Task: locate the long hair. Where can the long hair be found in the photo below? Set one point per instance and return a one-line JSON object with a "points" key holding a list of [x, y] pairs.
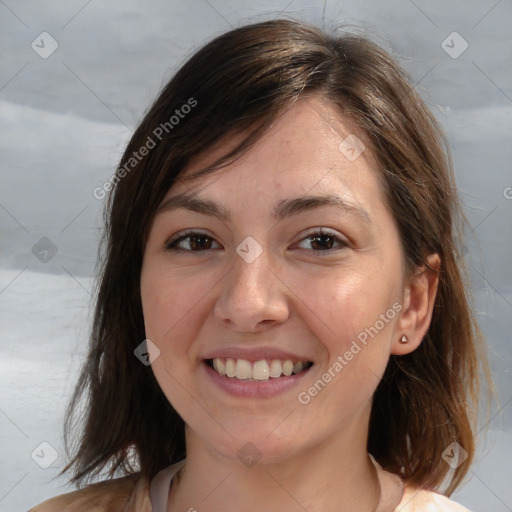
{"points": [[240, 83]]}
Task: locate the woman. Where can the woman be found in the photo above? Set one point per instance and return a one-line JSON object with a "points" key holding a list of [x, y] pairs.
{"points": [[282, 319]]}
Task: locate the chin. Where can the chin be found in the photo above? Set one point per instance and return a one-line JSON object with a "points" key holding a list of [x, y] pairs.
{"points": [[250, 445]]}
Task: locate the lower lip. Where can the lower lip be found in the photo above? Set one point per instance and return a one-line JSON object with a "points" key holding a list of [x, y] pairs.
{"points": [[254, 388]]}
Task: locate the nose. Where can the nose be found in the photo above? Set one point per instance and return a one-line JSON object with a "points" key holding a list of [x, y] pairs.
{"points": [[253, 296]]}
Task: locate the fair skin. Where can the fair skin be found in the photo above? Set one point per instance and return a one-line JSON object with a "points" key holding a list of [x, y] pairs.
{"points": [[297, 297]]}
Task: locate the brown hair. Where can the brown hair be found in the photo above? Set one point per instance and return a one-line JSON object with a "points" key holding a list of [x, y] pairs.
{"points": [[240, 83]]}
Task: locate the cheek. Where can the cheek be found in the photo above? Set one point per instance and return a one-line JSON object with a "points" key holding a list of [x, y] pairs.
{"points": [[168, 320], [348, 306], [166, 312]]}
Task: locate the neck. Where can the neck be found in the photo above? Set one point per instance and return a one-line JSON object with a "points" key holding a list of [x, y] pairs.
{"points": [[334, 475]]}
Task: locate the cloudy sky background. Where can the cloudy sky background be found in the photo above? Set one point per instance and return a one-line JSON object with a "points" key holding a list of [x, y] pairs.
{"points": [[64, 122]]}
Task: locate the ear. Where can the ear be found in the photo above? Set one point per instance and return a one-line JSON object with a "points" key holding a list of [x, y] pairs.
{"points": [[417, 306]]}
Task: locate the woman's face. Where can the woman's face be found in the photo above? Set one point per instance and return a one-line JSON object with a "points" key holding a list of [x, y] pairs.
{"points": [[287, 258]]}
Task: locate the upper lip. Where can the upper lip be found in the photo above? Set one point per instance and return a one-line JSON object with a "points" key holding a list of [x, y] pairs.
{"points": [[254, 354]]}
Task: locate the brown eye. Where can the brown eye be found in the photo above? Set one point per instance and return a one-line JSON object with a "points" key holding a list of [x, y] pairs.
{"points": [[322, 241], [191, 242]]}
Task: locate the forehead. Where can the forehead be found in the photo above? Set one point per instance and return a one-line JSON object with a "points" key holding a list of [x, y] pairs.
{"points": [[311, 148]]}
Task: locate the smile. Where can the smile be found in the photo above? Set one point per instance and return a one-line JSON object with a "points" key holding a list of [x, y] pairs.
{"points": [[261, 370]]}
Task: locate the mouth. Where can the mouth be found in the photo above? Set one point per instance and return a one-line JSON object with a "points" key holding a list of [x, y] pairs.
{"points": [[257, 371]]}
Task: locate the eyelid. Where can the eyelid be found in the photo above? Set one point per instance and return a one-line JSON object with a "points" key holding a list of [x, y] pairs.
{"points": [[321, 231]]}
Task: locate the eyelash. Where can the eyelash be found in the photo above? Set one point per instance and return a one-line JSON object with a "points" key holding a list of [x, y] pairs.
{"points": [[171, 244]]}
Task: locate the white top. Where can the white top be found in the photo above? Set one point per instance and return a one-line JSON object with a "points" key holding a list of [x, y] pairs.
{"points": [[395, 497], [134, 493]]}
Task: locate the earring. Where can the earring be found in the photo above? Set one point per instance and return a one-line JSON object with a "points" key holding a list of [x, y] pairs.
{"points": [[404, 339]]}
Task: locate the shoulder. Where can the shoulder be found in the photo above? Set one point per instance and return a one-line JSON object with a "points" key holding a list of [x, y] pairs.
{"points": [[127, 494], [421, 500]]}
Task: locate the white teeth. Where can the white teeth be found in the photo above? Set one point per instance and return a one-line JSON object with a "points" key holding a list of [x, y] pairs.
{"points": [[259, 370], [276, 369], [230, 367], [243, 369], [287, 368], [221, 369]]}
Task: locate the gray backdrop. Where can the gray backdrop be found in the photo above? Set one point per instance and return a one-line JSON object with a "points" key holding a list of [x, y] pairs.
{"points": [[76, 77]]}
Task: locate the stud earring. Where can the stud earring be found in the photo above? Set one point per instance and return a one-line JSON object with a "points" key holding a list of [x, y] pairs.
{"points": [[404, 339]]}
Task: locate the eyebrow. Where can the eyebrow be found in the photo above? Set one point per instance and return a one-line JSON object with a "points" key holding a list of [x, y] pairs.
{"points": [[284, 208]]}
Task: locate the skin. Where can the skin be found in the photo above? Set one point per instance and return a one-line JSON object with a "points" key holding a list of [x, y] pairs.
{"points": [[295, 296]]}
